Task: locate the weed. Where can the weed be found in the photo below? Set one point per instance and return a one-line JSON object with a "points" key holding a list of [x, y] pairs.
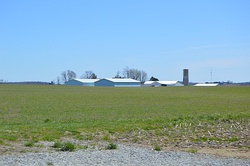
{"points": [[192, 150], [233, 139], [157, 147], [88, 137], [29, 144], [111, 146], [68, 146], [23, 151], [111, 132], [57, 144], [106, 137], [50, 163], [47, 120], [85, 147], [10, 137], [1, 142], [65, 146]]}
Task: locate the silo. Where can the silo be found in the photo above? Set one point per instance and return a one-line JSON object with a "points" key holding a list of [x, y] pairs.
{"points": [[185, 77]]}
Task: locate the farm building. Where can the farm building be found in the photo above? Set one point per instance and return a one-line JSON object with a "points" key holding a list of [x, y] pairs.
{"points": [[163, 83], [206, 84], [152, 83], [170, 83], [81, 82], [118, 82]]}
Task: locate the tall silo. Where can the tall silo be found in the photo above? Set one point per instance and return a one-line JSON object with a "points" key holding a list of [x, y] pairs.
{"points": [[185, 77]]}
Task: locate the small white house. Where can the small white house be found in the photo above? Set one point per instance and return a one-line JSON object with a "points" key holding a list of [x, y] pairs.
{"points": [[81, 82]]}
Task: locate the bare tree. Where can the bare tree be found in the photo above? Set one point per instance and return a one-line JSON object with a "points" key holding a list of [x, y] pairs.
{"points": [[126, 72], [58, 80], [136, 74], [64, 76], [89, 75], [68, 75], [118, 75], [71, 75], [144, 76]]}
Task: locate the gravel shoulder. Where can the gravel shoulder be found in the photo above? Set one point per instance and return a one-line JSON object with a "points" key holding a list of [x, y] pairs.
{"points": [[124, 155]]}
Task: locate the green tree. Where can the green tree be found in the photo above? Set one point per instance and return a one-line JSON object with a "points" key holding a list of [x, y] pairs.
{"points": [[153, 79]]}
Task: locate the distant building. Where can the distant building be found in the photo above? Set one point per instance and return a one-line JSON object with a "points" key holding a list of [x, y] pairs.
{"points": [[118, 82], [162, 83], [81, 82], [170, 83], [152, 84], [206, 84]]}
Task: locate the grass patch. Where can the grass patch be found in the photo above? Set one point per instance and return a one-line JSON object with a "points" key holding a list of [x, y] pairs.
{"points": [[157, 147], [112, 146], [140, 115], [29, 144], [50, 163], [65, 146], [47, 120], [192, 150], [1, 142]]}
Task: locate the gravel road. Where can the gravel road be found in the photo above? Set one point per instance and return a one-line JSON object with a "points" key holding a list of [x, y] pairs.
{"points": [[124, 155]]}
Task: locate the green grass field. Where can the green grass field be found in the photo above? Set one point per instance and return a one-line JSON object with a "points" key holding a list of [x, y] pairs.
{"points": [[162, 116]]}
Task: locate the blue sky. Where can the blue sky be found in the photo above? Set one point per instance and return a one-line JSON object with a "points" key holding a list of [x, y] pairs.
{"points": [[40, 39]]}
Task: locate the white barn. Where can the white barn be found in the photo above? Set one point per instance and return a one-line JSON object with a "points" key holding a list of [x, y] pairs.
{"points": [[151, 84], [170, 83], [206, 84], [162, 83]]}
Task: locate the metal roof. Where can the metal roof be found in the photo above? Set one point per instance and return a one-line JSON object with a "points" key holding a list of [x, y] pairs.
{"points": [[121, 80], [206, 85], [162, 83], [87, 80], [168, 82], [149, 82]]}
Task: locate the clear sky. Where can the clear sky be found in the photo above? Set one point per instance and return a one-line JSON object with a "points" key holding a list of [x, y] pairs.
{"points": [[41, 38]]}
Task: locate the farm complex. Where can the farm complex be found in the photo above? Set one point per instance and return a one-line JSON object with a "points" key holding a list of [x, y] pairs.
{"points": [[115, 82]]}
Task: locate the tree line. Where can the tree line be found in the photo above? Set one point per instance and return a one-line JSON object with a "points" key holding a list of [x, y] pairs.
{"points": [[133, 73], [69, 75]]}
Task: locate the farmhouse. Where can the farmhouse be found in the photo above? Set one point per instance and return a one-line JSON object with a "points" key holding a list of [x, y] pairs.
{"points": [[81, 82], [163, 83], [118, 82]]}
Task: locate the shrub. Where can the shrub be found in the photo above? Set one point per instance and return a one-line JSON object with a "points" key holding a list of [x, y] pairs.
{"points": [[50, 163], [47, 120], [192, 150], [29, 144], [157, 148], [57, 145], [1, 142], [112, 146], [68, 146], [65, 146]]}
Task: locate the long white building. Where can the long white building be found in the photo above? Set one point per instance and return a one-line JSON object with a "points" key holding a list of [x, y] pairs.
{"points": [[162, 83]]}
